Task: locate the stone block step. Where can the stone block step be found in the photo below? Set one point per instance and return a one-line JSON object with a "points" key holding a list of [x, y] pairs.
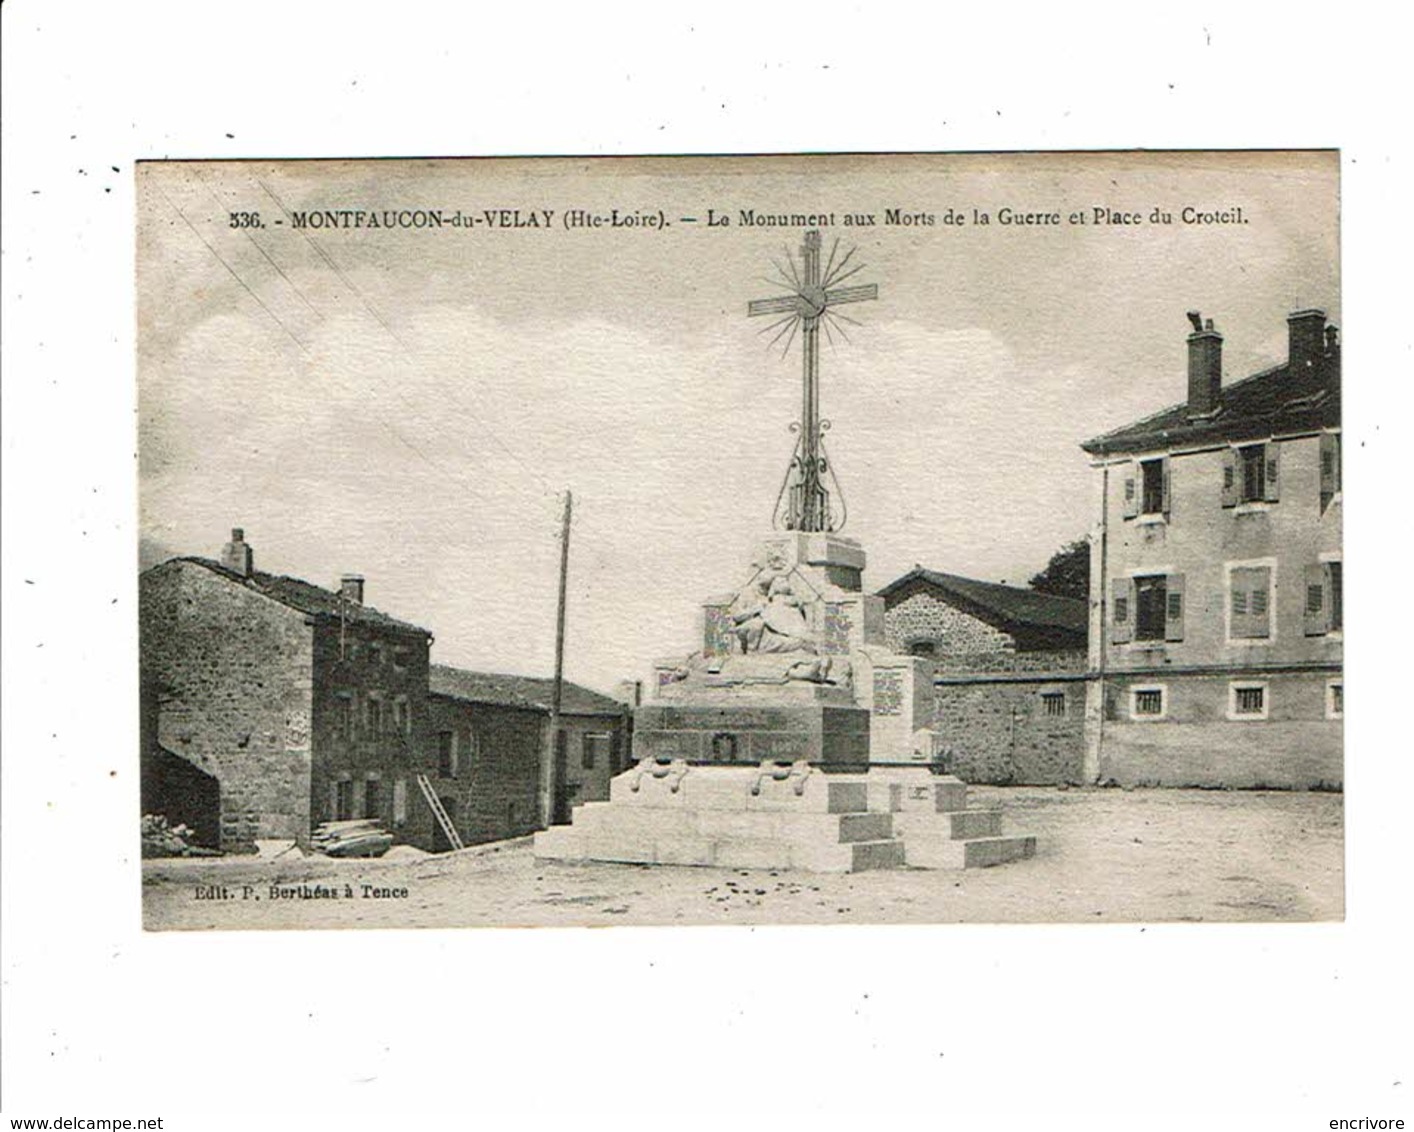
{"points": [[983, 852], [974, 853], [877, 855], [952, 825], [973, 823], [866, 827]]}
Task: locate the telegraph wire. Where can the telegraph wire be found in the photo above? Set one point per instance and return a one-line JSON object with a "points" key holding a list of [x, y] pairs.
{"points": [[387, 425], [234, 274], [544, 483], [268, 258]]}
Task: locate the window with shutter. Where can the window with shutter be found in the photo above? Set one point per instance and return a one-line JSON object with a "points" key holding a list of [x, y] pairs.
{"points": [[1272, 484], [1121, 627], [1253, 486], [1316, 614], [1334, 571], [1230, 492], [1330, 467], [1152, 472], [1173, 619], [1131, 492], [1249, 590], [1151, 607]]}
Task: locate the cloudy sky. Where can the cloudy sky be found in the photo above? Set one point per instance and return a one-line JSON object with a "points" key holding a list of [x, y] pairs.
{"points": [[410, 404]]}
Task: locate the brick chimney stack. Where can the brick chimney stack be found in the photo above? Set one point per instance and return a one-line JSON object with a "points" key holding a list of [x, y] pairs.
{"points": [[1306, 333], [1205, 366], [237, 555], [351, 587]]}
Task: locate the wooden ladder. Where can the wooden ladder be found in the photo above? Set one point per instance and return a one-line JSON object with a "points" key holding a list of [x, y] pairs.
{"points": [[439, 811]]}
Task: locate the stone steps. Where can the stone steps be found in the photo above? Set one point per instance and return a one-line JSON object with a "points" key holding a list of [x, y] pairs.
{"points": [[729, 839], [742, 818], [969, 853]]}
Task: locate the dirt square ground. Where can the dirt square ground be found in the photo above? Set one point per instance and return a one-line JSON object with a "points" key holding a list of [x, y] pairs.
{"points": [[1102, 855]]}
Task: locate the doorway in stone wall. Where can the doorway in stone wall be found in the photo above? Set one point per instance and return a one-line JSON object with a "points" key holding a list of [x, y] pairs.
{"points": [[184, 794]]}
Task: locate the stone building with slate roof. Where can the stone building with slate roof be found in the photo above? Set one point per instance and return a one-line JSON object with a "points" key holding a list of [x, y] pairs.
{"points": [[1009, 672], [271, 705], [498, 770], [1217, 610]]}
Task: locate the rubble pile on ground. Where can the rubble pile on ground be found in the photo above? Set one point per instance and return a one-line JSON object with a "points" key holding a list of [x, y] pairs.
{"points": [[162, 840], [362, 837]]}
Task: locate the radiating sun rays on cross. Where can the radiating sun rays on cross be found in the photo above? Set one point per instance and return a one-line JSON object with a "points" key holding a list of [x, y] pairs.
{"points": [[814, 291], [816, 300]]}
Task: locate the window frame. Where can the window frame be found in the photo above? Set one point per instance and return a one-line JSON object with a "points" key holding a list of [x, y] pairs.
{"points": [[343, 787], [1236, 687], [1151, 492], [447, 753], [588, 760], [1244, 456], [1136, 716], [1268, 564], [1332, 711], [1050, 699], [345, 717], [1156, 581]]}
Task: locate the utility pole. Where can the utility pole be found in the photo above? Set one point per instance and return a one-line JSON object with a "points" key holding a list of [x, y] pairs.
{"points": [[555, 760]]}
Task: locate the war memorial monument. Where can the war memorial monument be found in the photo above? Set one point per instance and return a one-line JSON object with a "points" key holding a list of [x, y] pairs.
{"points": [[793, 738]]}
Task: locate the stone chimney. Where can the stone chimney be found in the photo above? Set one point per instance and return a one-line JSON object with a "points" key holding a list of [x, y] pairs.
{"points": [[237, 555], [1306, 333], [351, 588], [1205, 366]]}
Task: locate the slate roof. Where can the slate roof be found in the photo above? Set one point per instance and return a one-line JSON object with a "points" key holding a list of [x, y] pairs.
{"points": [[304, 597], [504, 690], [1273, 402], [1007, 607]]}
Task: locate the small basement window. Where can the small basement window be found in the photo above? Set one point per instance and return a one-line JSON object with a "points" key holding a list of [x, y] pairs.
{"points": [[1148, 702], [1053, 703], [1335, 700], [1248, 701]]}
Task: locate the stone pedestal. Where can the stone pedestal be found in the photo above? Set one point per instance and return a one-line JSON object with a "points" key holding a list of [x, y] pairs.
{"points": [[783, 817], [786, 741], [832, 736]]}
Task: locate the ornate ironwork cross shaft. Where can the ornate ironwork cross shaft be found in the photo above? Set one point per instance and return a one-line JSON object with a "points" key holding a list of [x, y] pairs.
{"points": [[814, 292]]}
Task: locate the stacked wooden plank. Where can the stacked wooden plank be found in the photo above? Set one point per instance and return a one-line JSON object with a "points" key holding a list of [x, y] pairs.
{"points": [[361, 837]]}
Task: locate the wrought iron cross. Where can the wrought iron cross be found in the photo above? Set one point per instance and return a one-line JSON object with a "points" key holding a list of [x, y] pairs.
{"points": [[809, 306]]}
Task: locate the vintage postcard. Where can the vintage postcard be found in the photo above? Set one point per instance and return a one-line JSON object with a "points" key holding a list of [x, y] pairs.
{"points": [[758, 540]]}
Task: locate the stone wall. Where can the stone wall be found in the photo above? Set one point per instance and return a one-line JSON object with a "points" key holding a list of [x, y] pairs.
{"points": [[590, 783], [494, 780], [358, 667], [963, 643], [1003, 732], [959, 639], [231, 673]]}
